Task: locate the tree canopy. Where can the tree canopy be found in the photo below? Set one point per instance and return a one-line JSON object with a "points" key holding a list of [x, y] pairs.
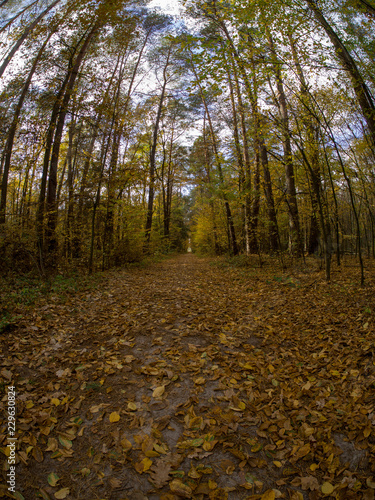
{"points": [[248, 127]]}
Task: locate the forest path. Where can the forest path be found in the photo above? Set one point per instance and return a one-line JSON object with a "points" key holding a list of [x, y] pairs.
{"points": [[189, 380]]}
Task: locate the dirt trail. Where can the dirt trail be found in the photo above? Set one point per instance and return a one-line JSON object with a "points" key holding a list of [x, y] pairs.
{"points": [[183, 380]]}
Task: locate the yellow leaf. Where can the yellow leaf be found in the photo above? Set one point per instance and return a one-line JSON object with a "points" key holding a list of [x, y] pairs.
{"points": [[367, 432], [302, 452], [66, 443], [160, 449], [327, 488], [212, 484], [114, 417], [195, 423], [218, 494], [209, 445], [158, 392], [314, 467], [51, 445], [146, 464], [132, 406], [53, 479], [199, 381], [268, 495], [126, 444], [307, 386], [181, 489], [29, 404], [55, 401], [278, 464], [62, 493]]}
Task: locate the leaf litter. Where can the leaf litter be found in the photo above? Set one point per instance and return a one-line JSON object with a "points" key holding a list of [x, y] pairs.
{"points": [[187, 380]]}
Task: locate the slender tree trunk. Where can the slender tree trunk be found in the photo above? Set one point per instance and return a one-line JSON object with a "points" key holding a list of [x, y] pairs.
{"points": [[167, 189], [336, 212], [40, 215], [151, 191], [273, 230], [291, 196], [237, 143], [51, 239], [78, 226], [111, 200], [11, 21], [102, 162], [23, 37], [312, 147], [349, 65], [364, 6], [228, 212], [74, 139], [13, 128], [211, 200], [251, 217]]}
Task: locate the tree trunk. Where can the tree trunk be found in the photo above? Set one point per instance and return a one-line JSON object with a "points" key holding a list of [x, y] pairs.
{"points": [[78, 226], [273, 230], [151, 190], [12, 131], [23, 37], [9, 23], [211, 200], [228, 212], [291, 196], [360, 88], [237, 143], [51, 240], [364, 6], [312, 150]]}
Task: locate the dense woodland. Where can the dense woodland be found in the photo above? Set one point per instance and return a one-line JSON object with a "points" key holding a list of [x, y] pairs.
{"points": [[248, 127], [245, 132]]}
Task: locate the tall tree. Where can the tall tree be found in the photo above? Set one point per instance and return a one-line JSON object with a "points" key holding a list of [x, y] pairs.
{"points": [[364, 97], [13, 128], [24, 35]]}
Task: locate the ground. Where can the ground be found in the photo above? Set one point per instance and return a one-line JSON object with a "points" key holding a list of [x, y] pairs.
{"points": [[192, 378]]}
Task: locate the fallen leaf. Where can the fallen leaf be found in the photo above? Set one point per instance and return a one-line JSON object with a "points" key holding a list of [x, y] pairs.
{"points": [[63, 493], [114, 417], [181, 489], [327, 488], [158, 392], [53, 479]]}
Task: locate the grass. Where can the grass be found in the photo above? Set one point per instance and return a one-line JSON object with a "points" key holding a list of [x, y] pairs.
{"points": [[20, 293]]}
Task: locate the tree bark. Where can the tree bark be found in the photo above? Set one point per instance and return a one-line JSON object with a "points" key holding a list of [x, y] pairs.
{"points": [[291, 196], [51, 239], [360, 88], [151, 191], [12, 131], [273, 230], [228, 212], [6, 26], [23, 37]]}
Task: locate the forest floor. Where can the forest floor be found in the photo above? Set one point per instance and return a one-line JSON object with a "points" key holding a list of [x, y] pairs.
{"points": [[192, 378]]}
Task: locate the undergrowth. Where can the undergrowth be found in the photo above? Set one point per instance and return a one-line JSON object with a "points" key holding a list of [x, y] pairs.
{"points": [[21, 292], [18, 292]]}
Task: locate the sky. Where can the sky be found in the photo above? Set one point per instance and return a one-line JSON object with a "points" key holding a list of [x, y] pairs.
{"points": [[171, 7]]}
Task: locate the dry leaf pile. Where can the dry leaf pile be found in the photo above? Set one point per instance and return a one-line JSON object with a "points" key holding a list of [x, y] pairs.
{"points": [[185, 380]]}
